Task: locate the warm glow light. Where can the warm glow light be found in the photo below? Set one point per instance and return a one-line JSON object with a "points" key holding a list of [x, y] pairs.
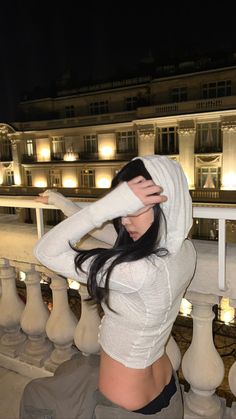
{"points": [[106, 152], [40, 184], [70, 156], [229, 180], [227, 313], [17, 179], [45, 153], [185, 307], [22, 276], [73, 284], [104, 183], [69, 183]]}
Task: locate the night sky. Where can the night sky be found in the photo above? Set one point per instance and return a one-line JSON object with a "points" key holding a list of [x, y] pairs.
{"points": [[43, 42]]}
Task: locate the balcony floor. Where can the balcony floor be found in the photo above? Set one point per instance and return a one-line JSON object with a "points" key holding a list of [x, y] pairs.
{"points": [[12, 385]]}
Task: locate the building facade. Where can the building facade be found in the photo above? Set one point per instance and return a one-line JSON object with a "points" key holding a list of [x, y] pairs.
{"points": [[76, 141]]}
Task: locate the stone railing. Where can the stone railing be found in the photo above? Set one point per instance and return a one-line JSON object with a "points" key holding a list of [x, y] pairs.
{"points": [[34, 341]]}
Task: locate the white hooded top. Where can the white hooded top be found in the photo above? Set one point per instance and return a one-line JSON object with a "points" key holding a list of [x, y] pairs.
{"points": [[178, 208], [145, 294]]}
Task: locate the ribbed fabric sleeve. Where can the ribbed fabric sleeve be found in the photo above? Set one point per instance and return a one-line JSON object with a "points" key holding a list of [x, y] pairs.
{"points": [[105, 234], [67, 206], [53, 249]]}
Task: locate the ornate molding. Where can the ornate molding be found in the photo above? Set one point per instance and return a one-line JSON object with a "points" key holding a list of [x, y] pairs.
{"points": [[7, 165], [186, 131], [208, 160], [6, 130], [14, 142], [146, 135], [228, 126]]}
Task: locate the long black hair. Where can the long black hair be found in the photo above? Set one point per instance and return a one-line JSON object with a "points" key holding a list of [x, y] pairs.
{"points": [[124, 249]]}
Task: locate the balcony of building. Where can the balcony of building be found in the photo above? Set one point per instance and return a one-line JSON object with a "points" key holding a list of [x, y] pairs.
{"points": [[34, 341], [149, 111]]}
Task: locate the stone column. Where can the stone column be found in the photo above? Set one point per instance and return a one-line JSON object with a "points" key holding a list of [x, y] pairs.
{"points": [[186, 153], [11, 308], [202, 365], [61, 325], [228, 177], [2, 171], [146, 141], [86, 332], [33, 321], [16, 161], [232, 377]]}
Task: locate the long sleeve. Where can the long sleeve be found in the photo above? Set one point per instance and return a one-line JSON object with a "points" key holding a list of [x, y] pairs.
{"points": [[67, 206], [53, 249], [106, 233]]}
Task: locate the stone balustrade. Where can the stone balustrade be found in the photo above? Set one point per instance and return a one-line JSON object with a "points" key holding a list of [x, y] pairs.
{"points": [[39, 340]]}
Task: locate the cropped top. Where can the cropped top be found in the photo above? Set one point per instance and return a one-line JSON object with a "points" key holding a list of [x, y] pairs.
{"points": [[145, 294]]}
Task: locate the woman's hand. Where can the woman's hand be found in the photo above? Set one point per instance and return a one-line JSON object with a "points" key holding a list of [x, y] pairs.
{"points": [[147, 191], [41, 198]]}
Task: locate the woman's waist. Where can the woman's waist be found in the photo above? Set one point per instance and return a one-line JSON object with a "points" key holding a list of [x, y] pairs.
{"points": [[132, 388]]}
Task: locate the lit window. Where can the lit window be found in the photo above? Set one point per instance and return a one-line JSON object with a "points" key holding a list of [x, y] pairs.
{"points": [[90, 144], [167, 141], [208, 138], [126, 142], [55, 178], [87, 178]]}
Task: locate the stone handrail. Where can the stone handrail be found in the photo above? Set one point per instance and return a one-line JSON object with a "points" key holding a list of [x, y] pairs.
{"points": [[36, 337]]}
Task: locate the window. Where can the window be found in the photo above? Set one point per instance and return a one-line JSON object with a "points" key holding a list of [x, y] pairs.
{"points": [[58, 148], [69, 111], [90, 144], [208, 177], [58, 145], [10, 177], [131, 103], [216, 89], [29, 147], [208, 138], [167, 141], [97, 108], [87, 178], [126, 142], [28, 174], [54, 178], [5, 150], [179, 94]]}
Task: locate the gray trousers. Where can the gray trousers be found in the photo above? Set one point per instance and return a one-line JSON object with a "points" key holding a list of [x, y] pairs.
{"points": [[69, 394], [72, 394]]}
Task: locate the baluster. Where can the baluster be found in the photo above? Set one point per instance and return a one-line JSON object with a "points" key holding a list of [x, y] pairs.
{"points": [[1, 328], [173, 352], [61, 325], [232, 377], [11, 308], [33, 321], [202, 366], [86, 332]]}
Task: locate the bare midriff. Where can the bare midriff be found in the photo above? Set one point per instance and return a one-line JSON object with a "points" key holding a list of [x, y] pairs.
{"points": [[133, 388]]}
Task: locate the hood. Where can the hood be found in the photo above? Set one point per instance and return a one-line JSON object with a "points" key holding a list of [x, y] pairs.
{"points": [[178, 208]]}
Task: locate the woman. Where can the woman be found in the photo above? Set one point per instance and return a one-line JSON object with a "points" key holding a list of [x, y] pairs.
{"points": [[140, 282]]}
